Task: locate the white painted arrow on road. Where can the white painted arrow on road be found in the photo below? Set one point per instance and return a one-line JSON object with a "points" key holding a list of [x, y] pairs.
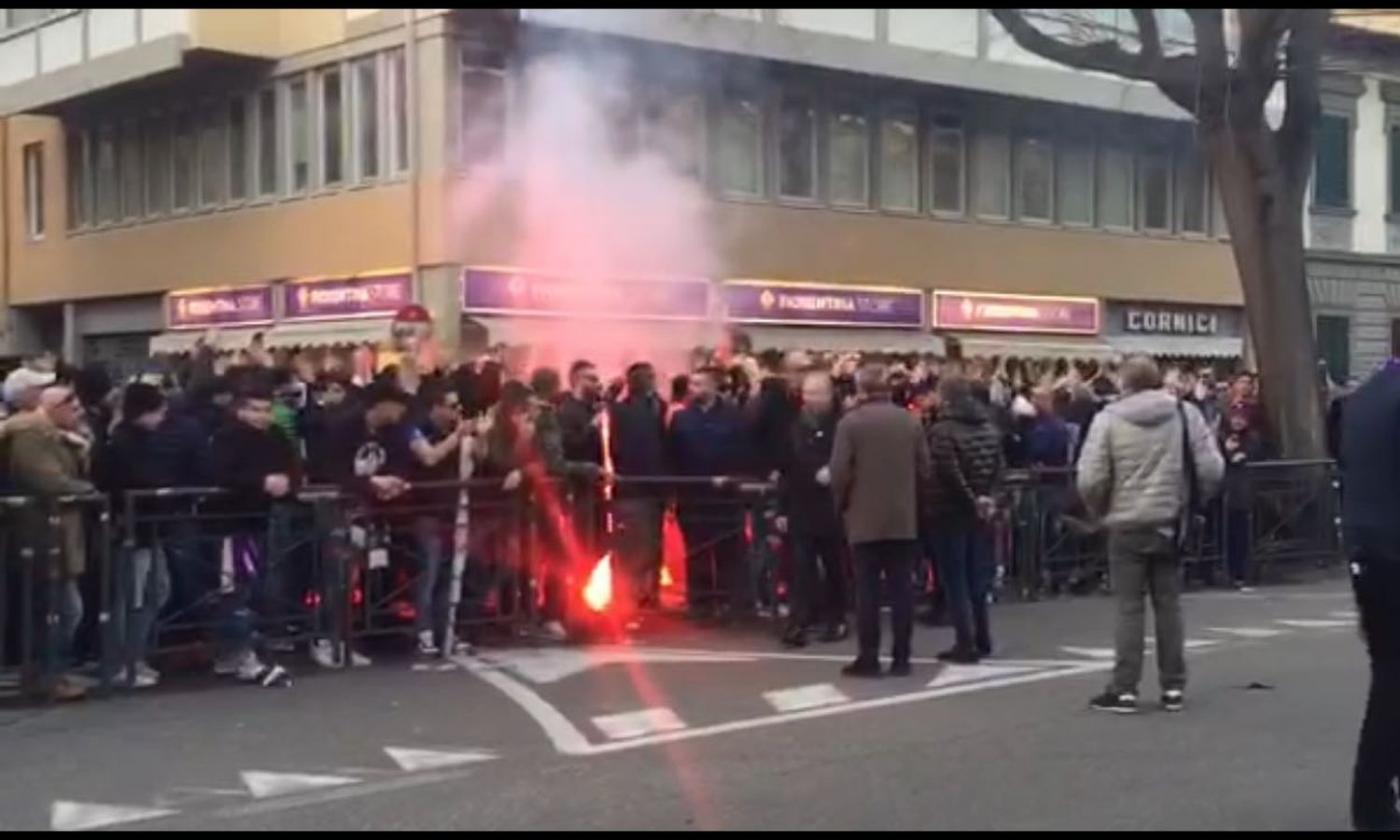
{"points": [[413, 760], [1091, 653], [1249, 632], [263, 784], [83, 816], [1313, 623], [953, 674]]}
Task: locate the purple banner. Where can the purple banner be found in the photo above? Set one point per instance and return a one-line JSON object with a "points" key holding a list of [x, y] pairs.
{"points": [[519, 293], [757, 302], [219, 308], [346, 297]]}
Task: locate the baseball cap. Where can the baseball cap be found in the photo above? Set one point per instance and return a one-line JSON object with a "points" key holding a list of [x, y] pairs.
{"points": [[25, 379]]}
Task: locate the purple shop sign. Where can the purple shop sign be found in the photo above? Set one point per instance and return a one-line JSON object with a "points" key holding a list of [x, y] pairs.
{"points": [[757, 302], [489, 290], [346, 297], [248, 306]]}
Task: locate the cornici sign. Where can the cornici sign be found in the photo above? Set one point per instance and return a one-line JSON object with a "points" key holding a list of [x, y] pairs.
{"points": [[1170, 321]]}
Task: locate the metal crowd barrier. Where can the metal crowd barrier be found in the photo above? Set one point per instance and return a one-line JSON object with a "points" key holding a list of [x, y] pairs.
{"points": [[163, 578]]}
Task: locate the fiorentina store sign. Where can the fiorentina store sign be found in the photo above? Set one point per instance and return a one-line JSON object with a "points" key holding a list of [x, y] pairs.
{"points": [[761, 302], [1015, 313], [364, 295], [511, 292], [203, 308]]}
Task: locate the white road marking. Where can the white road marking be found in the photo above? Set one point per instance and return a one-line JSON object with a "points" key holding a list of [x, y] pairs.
{"points": [[639, 723], [82, 816], [1313, 623], [954, 674], [1347, 614], [1091, 653], [551, 665], [1249, 632], [1197, 644], [263, 784], [413, 760], [805, 697]]}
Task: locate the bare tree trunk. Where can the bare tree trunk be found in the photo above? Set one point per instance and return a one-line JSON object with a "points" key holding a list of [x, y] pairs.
{"points": [[1264, 208]]}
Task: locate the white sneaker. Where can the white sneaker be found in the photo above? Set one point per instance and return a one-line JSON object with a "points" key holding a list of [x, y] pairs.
{"points": [[555, 630], [426, 645], [323, 654], [146, 676], [359, 660], [254, 670]]}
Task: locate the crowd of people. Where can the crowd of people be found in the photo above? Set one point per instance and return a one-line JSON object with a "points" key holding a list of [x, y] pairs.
{"points": [[264, 425]]}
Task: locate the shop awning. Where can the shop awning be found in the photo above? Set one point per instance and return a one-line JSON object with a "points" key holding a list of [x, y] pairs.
{"points": [[1185, 346], [522, 330], [842, 339], [183, 341], [329, 333], [1035, 346]]}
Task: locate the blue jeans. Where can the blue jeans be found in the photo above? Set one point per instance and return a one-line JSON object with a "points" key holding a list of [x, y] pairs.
{"points": [[434, 539], [964, 556], [142, 591]]}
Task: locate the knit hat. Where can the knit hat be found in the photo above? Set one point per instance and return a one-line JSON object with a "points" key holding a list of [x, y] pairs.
{"points": [[141, 399]]}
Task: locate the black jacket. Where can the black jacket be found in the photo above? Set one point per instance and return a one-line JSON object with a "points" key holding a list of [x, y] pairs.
{"points": [[772, 413], [1370, 462], [967, 463], [583, 442], [809, 505], [242, 457], [638, 438]]}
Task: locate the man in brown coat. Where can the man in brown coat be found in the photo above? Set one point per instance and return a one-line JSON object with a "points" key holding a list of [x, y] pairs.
{"points": [[878, 462], [49, 459]]}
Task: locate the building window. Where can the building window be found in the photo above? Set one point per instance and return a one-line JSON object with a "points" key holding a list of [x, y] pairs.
{"points": [[398, 109], [184, 159], [1035, 167], [1154, 191], [1115, 188], [991, 172], [15, 18], [1332, 166], [1074, 184], [74, 163], [212, 137], [797, 147], [237, 149], [267, 141], [848, 141], [739, 145], [132, 166], [947, 162], [34, 190], [367, 117], [1191, 188], [299, 120], [1334, 346], [899, 162], [673, 129], [332, 127], [1395, 169], [483, 113], [108, 187], [158, 165]]}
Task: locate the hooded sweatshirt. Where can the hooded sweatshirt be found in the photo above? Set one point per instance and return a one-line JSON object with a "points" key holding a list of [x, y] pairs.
{"points": [[1131, 471]]}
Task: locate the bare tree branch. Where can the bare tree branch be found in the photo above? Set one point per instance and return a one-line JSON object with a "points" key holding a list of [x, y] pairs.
{"points": [[1148, 36]]}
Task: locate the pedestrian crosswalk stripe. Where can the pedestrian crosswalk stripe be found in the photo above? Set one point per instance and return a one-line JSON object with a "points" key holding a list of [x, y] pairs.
{"points": [[412, 760], [805, 697], [1313, 623], [953, 674], [83, 816], [637, 724], [262, 784], [1091, 653], [1249, 632]]}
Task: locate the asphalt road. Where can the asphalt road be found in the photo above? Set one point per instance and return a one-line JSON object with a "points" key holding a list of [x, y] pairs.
{"points": [[723, 730]]}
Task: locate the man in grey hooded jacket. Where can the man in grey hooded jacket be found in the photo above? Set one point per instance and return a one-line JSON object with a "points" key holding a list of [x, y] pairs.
{"points": [[1133, 477]]}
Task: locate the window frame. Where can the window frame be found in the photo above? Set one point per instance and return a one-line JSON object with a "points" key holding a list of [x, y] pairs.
{"points": [[931, 133], [1066, 144], [35, 221], [780, 96], [158, 126], [1019, 140], [1180, 161], [1349, 205], [131, 130], [719, 101], [192, 200], [905, 111], [1140, 172], [288, 85], [113, 193], [357, 110], [1345, 319], [205, 110], [1100, 160], [321, 133], [972, 177], [839, 107], [242, 101], [397, 136], [259, 152]]}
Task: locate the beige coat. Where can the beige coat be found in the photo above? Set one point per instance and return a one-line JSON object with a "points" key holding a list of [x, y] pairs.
{"points": [[44, 462]]}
